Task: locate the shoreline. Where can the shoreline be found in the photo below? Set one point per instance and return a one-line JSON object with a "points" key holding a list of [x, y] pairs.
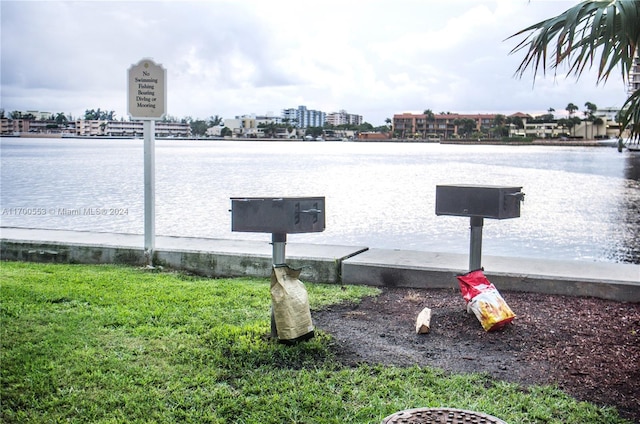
{"points": [[536, 142]]}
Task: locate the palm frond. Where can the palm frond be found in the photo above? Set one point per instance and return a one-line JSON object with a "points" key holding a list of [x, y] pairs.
{"points": [[601, 32], [610, 28], [630, 115]]}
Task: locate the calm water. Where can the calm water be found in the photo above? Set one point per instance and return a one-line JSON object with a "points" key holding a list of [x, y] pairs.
{"points": [[581, 203]]}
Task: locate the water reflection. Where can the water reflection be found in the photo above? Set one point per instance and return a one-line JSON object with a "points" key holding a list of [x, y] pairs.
{"points": [[632, 166], [629, 249], [581, 203]]}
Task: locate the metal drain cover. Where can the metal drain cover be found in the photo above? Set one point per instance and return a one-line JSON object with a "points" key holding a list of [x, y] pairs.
{"points": [[441, 415]]}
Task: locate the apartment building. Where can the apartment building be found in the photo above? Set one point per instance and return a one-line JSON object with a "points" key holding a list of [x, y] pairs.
{"points": [[93, 128], [604, 127], [30, 126], [250, 126], [634, 76], [6, 126], [540, 130], [240, 126], [136, 128], [410, 125], [343, 118], [445, 126], [15, 126], [133, 128], [104, 128], [303, 117]]}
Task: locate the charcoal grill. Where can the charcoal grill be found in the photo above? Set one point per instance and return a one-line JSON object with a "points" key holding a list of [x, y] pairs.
{"points": [[279, 216], [478, 202]]}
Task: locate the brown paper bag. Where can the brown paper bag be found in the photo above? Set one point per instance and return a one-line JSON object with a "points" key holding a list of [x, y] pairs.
{"points": [[290, 305]]}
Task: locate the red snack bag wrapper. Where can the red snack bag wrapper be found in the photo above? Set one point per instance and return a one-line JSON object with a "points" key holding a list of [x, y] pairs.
{"points": [[484, 300]]}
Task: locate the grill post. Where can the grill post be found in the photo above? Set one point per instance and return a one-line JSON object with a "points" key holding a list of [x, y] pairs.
{"points": [[475, 246], [278, 242], [478, 202]]}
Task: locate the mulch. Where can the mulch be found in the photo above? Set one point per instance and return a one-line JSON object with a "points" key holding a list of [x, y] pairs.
{"points": [[588, 347]]}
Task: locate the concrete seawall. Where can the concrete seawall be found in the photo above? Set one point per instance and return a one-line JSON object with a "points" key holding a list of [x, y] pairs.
{"points": [[323, 263]]}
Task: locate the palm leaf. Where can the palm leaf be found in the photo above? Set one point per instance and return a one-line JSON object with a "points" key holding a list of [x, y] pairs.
{"points": [[608, 28], [630, 114]]}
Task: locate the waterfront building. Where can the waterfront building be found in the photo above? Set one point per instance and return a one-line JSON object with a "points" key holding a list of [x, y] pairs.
{"points": [[14, 126], [634, 76], [343, 118], [542, 130], [5, 128], [31, 126], [438, 126], [586, 129], [445, 126], [610, 113], [91, 128], [252, 126], [303, 117], [610, 117], [246, 126]]}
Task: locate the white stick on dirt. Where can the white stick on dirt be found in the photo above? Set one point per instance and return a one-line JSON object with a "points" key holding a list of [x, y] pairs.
{"points": [[423, 323]]}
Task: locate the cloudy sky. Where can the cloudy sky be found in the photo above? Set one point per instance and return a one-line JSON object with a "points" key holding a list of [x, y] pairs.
{"points": [[373, 58]]}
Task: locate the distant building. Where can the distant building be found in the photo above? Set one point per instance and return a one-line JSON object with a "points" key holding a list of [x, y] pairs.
{"points": [[86, 127], [373, 136], [410, 125], [541, 130], [303, 117], [38, 115], [6, 126], [445, 126], [343, 118], [92, 128], [30, 114], [611, 113], [634, 76], [610, 117], [252, 126]]}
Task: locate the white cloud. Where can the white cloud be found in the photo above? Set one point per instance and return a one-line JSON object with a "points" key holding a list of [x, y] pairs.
{"points": [[229, 58]]}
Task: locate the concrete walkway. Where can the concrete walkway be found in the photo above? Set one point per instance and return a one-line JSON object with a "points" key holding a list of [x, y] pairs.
{"points": [[324, 263]]}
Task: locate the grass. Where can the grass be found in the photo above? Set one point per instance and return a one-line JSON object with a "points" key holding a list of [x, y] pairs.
{"points": [[112, 344]]}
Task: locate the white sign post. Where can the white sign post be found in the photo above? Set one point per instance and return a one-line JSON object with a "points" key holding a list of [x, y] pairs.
{"points": [[147, 101]]}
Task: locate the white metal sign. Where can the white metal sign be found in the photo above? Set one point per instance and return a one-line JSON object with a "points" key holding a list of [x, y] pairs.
{"points": [[147, 88], [147, 101]]}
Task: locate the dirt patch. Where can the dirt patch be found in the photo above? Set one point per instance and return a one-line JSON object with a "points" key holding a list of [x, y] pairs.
{"points": [[590, 348]]}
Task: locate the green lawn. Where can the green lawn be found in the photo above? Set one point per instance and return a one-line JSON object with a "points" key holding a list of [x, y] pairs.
{"points": [[113, 344]]}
